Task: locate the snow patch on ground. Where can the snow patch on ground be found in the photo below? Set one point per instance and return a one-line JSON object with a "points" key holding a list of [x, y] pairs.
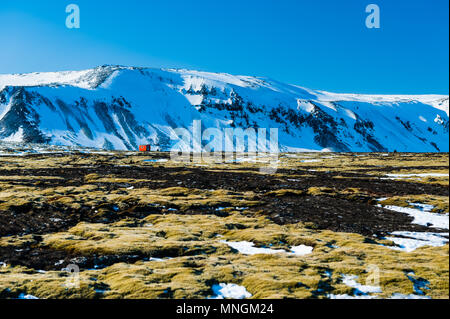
{"points": [[301, 250], [161, 160], [423, 216], [410, 241], [350, 280], [30, 297], [159, 259], [345, 296], [410, 296], [360, 291], [230, 291], [248, 248], [400, 176], [365, 291]]}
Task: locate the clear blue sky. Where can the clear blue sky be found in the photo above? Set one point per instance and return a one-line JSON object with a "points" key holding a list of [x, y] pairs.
{"points": [[321, 44]]}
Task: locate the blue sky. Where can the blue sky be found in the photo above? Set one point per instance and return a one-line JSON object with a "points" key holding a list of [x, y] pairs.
{"points": [[321, 44]]}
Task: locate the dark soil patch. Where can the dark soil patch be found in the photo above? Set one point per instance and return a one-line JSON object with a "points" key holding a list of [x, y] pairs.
{"points": [[336, 214], [357, 214], [229, 180], [44, 218], [43, 258]]}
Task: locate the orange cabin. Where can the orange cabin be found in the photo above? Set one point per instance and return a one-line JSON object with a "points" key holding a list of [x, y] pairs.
{"points": [[145, 148]]}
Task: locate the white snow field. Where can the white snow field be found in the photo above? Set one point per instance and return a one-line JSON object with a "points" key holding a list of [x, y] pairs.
{"points": [[117, 107]]}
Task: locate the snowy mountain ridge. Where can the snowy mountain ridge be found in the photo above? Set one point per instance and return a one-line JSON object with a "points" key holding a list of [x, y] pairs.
{"points": [[116, 107]]}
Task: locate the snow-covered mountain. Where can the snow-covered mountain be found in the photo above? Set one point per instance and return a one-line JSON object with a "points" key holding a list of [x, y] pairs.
{"points": [[115, 107]]}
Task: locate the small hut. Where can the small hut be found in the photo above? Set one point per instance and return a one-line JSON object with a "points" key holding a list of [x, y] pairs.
{"points": [[145, 148]]}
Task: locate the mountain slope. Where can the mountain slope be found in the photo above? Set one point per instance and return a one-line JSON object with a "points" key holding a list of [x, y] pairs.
{"points": [[115, 107]]}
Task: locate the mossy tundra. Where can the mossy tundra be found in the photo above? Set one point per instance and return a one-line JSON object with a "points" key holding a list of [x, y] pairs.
{"points": [[143, 229]]}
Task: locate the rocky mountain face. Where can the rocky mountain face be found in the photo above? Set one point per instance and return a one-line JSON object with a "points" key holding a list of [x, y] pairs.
{"points": [[115, 107]]}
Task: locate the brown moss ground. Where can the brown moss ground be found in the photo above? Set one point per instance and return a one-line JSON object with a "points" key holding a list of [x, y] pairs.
{"points": [[203, 259], [101, 210]]}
